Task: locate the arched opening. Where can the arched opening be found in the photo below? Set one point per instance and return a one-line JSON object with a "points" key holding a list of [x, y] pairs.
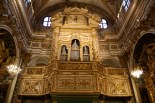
{"points": [[86, 56], [110, 63], [144, 57], [64, 53], [7, 48], [38, 61], [143, 50], [75, 49], [7, 57]]}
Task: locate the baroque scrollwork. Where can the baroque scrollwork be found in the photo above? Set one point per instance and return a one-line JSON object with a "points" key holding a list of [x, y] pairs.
{"points": [[31, 87], [118, 88], [116, 71], [35, 71], [75, 66]]}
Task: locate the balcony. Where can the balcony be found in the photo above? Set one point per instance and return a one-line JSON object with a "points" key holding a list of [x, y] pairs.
{"points": [[75, 78]]}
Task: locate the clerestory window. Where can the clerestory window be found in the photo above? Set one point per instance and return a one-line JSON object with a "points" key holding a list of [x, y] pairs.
{"points": [[126, 4], [47, 21], [103, 24], [27, 2]]}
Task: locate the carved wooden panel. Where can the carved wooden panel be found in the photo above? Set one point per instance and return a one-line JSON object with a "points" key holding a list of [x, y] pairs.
{"points": [[118, 87], [32, 87], [65, 83], [84, 83], [75, 83]]}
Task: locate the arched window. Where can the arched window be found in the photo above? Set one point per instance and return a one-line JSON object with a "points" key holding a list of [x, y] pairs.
{"points": [[103, 24], [86, 53], [75, 49], [27, 2], [126, 4], [47, 21], [64, 53]]}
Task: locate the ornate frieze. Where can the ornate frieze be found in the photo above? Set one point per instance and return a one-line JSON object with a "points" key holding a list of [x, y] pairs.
{"points": [[116, 71], [75, 66], [76, 30], [35, 70]]}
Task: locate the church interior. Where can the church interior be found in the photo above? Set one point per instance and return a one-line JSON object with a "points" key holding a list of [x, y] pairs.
{"points": [[77, 51]]}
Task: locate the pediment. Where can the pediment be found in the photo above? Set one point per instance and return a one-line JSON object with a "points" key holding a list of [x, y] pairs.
{"points": [[75, 17]]}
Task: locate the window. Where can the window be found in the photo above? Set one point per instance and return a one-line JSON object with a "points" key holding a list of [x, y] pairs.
{"points": [[126, 4], [103, 24], [47, 21], [27, 2]]}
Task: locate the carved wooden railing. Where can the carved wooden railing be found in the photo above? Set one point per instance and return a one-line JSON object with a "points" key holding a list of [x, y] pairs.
{"points": [[75, 77]]}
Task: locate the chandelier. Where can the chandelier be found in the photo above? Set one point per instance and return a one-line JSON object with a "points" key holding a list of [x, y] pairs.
{"points": [[137, 72], [13, 69]]}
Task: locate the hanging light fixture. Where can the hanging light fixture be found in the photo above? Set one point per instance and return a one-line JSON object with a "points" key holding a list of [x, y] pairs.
{"points": [[13, 69], [137, 72]]}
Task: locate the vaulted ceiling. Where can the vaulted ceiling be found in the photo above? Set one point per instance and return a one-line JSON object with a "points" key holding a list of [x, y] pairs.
{"points": [[107, 9]]}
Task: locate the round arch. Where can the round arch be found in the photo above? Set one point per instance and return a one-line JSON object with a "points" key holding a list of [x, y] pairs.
{"points": [[110, 62], [37, 60], [4, 29]]}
